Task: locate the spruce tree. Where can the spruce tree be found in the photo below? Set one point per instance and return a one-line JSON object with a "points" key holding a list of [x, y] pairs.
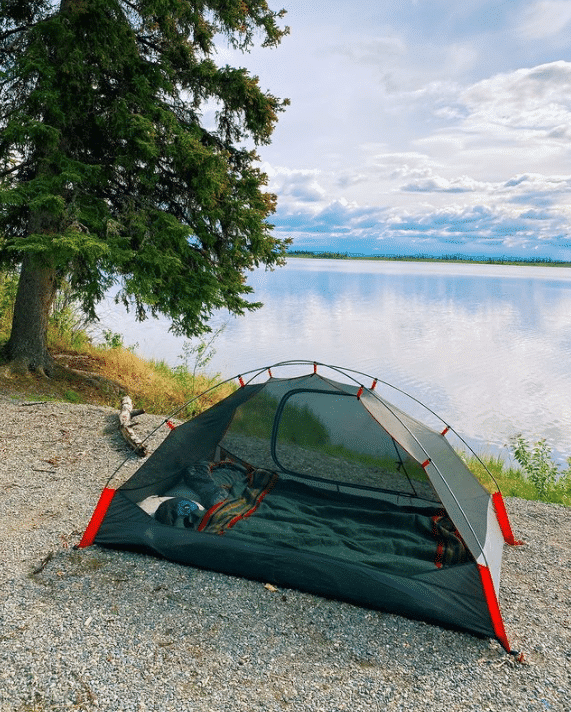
{"points": [[111, 173]]}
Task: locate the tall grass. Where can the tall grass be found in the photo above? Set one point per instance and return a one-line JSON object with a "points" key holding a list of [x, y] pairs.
{"points": [[510, 479], [103, 372], [534, 477], [8, 286], [153, 385]]}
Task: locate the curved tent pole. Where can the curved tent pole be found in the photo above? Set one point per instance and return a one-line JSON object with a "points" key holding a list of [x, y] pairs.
{"points": [[173, 414], [347, 372], [375, 381], [448, 428], [253, 373], [428, 460], [491, 597]]}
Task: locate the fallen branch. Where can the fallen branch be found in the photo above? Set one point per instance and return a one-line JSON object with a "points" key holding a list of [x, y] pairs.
{"points": [[126, 425], [44, 562]]}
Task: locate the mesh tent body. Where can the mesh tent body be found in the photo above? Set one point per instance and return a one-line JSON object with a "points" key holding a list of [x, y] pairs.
{"points": [[327, 487]]}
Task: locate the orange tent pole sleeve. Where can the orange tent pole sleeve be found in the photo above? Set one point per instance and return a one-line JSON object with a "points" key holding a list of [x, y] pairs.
{"points": [[503, 520], [493, 606], [97, 517]]}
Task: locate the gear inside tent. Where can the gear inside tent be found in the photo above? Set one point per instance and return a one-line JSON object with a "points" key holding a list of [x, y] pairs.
{"points": [[307, 477]]}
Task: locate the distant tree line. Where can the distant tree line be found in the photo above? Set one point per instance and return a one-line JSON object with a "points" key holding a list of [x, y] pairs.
{"points": [[427, 258]]}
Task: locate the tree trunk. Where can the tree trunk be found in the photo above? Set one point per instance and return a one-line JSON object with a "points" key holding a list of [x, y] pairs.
{"points": [[27, 347]]}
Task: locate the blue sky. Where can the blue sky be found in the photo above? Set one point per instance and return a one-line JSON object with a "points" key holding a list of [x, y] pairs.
{"points": [[422, 126]]}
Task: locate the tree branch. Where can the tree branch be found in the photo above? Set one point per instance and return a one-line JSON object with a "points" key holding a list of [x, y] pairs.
{"points": [[7, 33], [14, 169], [126, 426]]}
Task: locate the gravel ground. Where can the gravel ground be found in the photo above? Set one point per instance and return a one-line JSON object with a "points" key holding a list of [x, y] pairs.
{"points": [[95, 629]]}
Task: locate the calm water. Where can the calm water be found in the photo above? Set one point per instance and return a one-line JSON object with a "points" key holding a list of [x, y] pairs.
{"points": [[486, 346]]}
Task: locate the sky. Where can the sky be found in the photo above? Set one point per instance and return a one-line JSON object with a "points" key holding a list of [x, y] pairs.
{"points": [[431, 127]]}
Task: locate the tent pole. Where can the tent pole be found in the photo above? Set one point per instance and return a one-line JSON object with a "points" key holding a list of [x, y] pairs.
{"points": [[493, 606], [503, 520], [97, 517]]}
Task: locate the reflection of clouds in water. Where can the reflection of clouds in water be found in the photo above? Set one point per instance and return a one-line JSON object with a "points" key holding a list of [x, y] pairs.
{"points": [[497, 375], [493, 367], [487, 349]]}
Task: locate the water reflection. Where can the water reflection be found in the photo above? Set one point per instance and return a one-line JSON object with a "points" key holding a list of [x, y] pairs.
{"points": [[487, 347]]}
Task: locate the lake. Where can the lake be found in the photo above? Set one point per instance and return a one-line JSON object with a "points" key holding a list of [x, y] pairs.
{"points": [[485, 346]]}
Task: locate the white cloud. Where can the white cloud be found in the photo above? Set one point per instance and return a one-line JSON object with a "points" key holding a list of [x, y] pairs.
{"points": [[506, 124], [538, 98], [459, 227], [435, 123], [544, 19], [438, 184]]}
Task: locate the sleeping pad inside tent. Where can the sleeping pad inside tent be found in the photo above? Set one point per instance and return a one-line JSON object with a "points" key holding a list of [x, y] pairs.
{"points": [[323, 486]]}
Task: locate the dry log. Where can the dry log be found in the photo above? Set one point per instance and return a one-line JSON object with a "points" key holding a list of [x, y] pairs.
{"points": [[126, 425]]}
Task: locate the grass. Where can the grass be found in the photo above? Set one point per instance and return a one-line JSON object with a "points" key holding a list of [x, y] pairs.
{"points": [[510, 479], [103, 373], [524, 481], [153, 385]]}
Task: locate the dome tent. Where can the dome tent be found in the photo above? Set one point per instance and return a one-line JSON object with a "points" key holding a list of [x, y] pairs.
{"points": [[320, 483]]}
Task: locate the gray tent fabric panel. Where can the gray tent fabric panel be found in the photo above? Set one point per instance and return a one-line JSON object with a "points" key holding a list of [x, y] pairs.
{"points": [[464, 498], [452, 597], [407, 431], [493, 550]]}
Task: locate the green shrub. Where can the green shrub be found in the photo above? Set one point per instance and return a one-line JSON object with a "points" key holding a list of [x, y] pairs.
{"points": [[112, 340], [73, 397], [538, 479], [551, 483]]}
